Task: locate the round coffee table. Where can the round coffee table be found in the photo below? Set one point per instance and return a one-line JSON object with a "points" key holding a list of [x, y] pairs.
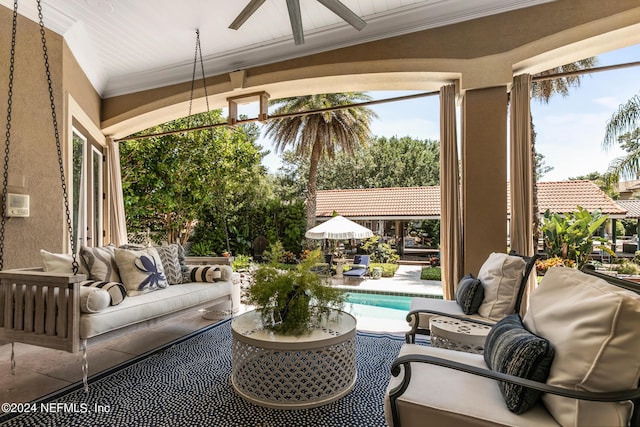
{"points": [[460, 335], [289, 372]]}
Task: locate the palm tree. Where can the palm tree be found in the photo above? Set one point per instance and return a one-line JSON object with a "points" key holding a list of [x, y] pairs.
{"points": [[543, 90], [320, 135], [624, 127]]}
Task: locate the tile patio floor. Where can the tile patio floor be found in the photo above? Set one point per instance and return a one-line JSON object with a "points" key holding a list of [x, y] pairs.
{"points": [[40, 371]]}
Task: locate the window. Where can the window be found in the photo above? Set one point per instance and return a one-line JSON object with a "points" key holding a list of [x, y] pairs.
{"points": [[88, 178]]}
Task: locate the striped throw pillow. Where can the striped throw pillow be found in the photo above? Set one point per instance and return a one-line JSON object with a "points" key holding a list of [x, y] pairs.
{"points": [[204, 273], [116, 290]]}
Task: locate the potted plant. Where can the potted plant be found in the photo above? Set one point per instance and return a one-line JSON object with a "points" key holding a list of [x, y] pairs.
{"points": [[293, 301]]}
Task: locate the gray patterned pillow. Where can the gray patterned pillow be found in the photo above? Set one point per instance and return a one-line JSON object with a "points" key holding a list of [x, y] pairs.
{"points": [[170, 257], [513, 350], [469, 294], [141, 270], [100, 263]]}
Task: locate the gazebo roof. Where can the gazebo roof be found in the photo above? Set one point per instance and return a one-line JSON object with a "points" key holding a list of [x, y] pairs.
{"points": [[424, 202], [632, 207]]}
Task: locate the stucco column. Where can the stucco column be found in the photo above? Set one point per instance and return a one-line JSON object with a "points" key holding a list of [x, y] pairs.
{"points": [[484, 175]]}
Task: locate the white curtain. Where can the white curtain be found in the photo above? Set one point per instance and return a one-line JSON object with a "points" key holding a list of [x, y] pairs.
{"points": [[117, 220], [451, 213], [521, 172]]}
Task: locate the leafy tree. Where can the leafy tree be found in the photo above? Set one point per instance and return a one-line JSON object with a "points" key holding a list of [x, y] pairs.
{"points": [[392, 162], [171, 182], [319, 136], [541, 167]]}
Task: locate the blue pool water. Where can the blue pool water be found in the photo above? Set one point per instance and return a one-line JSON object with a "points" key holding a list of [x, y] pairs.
{"points": [[395, 302]]}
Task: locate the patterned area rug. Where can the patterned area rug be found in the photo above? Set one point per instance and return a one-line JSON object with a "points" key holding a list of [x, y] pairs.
{"points": [[188, 384]]}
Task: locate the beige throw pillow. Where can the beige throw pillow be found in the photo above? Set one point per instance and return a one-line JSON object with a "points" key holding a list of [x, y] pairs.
{"points": [[500, 276], [141, 270], [593, 327]]}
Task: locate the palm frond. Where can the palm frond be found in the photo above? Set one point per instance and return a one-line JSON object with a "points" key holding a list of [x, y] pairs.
{"points": [[625, 120]]}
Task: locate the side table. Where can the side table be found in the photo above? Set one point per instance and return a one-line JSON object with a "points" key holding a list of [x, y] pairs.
{"points": [[289, 372], [459, 335]]}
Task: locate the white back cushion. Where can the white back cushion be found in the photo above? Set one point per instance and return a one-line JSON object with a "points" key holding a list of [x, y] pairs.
{"points": [[595, 329], [500, 276]]}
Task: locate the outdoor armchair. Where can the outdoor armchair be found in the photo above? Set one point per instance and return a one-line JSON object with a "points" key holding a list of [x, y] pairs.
{"points": [[574, 360], [497, 292]]}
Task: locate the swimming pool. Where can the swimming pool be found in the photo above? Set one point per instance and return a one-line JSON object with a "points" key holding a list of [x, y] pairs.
{"points": [[377, 306], [396, 302]]}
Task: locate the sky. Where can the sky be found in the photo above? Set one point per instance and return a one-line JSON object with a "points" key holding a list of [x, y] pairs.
{"points": [[569, 129]]}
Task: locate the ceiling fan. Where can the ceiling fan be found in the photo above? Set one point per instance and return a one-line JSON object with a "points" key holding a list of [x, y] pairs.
{"points": [[296, 18]]}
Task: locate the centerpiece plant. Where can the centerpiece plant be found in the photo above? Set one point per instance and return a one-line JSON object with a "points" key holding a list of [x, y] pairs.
{"points": [[293, 301]]}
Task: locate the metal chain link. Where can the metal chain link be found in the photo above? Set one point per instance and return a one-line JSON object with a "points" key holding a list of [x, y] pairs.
{"points": [[74, 264], [193, 76], [5, 175]]}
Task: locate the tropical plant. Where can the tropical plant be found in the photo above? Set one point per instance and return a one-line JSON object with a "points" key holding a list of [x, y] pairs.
{"points": [[626, 166], [542, 265], [378, 251], [293, 302], [571, 236], [627, 267], [319, 136], [203, 248], [241, 263]]}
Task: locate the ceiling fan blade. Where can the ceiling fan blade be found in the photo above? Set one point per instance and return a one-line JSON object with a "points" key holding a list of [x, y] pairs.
{"points": [[296, 21], [345, 13], [246, 13]]}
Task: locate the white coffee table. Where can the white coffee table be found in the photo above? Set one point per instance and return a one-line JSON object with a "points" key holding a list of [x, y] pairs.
{"points": [[459, 335], [289, 372]]}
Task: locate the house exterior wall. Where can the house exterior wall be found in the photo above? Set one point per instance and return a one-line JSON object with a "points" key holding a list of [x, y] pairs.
{"points": [[33, 164]]}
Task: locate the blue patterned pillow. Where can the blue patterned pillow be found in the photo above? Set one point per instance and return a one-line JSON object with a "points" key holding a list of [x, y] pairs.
{"points": [[513, 350], [469, 294]]}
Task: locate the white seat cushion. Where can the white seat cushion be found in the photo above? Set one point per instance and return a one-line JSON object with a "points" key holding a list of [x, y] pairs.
{"points": [[444, 306], [594, 328], [151, 305], [500, 276], [446, 397]]}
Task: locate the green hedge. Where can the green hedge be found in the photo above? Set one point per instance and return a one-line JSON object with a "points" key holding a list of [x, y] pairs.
{"points": [[431, 273]]}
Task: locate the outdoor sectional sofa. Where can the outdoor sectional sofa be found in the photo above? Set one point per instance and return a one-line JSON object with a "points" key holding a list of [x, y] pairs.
{"points": [[54, 308]]}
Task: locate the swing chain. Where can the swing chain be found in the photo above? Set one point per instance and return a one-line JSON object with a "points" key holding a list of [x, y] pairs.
{"points": [[74, 264], [5, 175]]}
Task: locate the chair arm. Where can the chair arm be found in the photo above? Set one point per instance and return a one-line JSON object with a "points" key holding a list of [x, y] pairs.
{"points": [[404, 361], [415, 316]]}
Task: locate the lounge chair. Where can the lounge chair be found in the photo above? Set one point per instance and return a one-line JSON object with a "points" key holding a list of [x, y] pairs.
{"points": [[504, 275], [359, 268], [572, 360], [325, 267]]}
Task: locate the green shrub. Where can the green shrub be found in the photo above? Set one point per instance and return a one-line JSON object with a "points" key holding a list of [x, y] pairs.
{"points": [[380, 252], [627, 267], [388, 270], [241, 262], [431, 273]]}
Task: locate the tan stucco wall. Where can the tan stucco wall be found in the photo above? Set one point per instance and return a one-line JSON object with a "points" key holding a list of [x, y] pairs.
{"points": [[484, 175], [33, 156]]}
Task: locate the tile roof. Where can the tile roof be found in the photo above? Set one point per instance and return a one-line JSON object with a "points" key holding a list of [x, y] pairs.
{"points": [[424, 202], [394, 202], [632, 207], [565, 196]]}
